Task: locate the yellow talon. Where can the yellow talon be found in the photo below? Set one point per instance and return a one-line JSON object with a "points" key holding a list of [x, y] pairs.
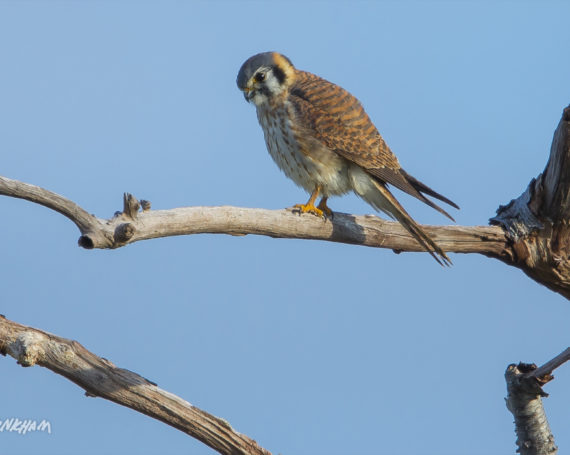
{"points": [[309, 208], [322, 210]]}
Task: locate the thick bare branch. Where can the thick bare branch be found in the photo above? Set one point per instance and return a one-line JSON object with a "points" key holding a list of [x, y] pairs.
{"points": [[132, 226], [531, 232], [101, 378], [524, 387], [538, 222]]}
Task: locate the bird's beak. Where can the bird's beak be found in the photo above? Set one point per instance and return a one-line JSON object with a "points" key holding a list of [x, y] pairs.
{"points": [[247, 93]]}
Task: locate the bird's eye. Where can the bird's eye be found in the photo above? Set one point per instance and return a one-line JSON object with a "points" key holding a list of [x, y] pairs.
{"points": [[259, 77]]}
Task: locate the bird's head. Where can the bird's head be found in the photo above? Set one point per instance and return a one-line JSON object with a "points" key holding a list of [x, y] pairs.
{"points": [[265, 76]]}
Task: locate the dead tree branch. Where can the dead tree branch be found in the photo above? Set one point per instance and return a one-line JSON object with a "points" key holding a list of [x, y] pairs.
{"points": [[524, 388], [132, 225], [100, 378], [537, 224], [531, 232]]}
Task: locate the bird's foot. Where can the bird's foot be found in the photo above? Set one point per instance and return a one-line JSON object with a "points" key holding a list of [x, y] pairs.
{"points": [[309, 208], [323, 207]]}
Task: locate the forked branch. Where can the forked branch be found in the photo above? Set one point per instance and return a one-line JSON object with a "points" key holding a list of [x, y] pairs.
{"points": [[100, 378]]}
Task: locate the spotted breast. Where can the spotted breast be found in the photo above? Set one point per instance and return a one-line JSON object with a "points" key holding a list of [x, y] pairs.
{"points": [[304, 159], [321, 137]]}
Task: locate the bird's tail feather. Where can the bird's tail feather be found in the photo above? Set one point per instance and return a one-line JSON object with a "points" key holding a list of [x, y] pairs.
{"points": [[423, 188], [377, 195]]}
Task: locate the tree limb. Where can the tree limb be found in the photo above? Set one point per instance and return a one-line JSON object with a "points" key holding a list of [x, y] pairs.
{"points": [[132, 225], [524, 387], [531, 232], [537, 224], [101, 378]]}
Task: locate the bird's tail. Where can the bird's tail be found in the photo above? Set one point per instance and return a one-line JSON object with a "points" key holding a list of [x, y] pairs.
{"points": [[377, 195]]}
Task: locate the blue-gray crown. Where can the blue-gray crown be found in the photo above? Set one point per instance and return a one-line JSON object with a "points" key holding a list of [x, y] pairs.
{"points": [[252, 64]]}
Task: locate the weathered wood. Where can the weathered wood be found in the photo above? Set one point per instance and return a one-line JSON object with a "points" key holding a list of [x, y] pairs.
{"points": [[101, 378], [531, 232], [131, 226], [524, 392], [537, 223]]}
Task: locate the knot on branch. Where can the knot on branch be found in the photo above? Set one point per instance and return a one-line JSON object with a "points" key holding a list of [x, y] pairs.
{"points": [[522, 379], [115, 232], [85, 241], [517, 217], [123, 233], [27, 348], [145, 205]]}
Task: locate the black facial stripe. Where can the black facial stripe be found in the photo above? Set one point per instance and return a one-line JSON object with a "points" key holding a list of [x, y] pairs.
{"points": [[279, 74]]}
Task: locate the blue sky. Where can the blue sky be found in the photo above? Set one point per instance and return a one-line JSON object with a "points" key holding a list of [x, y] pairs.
{"points": [[307, 347]]}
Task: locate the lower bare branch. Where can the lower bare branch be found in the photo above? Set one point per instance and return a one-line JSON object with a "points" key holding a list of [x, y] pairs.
{"points": [[524, 387], [99, 377]]}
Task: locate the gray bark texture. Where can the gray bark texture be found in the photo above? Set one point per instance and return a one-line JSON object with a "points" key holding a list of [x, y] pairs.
{"points": [[101, 378], [537, 224], [524, 400]]}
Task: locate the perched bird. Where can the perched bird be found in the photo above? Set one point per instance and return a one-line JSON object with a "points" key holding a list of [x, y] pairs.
{"points": [[321, 137]]}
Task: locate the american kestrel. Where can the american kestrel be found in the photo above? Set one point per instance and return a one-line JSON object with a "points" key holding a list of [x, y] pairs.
{"points": [[321, 137]]}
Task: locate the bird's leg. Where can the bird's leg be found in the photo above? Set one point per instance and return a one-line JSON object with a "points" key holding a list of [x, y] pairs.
{"points": [[309, 207], [323, 207]]}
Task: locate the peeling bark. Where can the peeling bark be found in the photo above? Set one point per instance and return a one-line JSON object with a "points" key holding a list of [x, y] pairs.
{"points": [[524, 400]]}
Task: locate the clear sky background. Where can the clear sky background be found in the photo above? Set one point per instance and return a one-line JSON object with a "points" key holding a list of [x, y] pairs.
{"points": [[308, 347]]}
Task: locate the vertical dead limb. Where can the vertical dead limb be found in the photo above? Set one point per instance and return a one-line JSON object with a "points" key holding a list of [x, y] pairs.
{"points": [[524, 387]]}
